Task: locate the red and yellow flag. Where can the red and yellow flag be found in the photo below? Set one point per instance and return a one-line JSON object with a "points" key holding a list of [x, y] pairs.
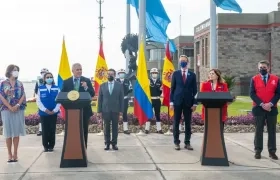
{"points": [[168, 69], [101, 70]]}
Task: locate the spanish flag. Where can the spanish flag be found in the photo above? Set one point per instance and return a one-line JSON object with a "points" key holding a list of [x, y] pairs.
{"points": [[63, 72], [168, 69], [142, 96], [100, 70]]}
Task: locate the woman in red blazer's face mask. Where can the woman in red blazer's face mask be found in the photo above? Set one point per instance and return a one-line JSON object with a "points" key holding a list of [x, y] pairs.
{"points": [[215, 83]]}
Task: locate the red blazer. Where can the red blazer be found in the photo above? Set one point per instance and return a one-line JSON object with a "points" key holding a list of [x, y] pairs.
{"points": [[221, 87]]}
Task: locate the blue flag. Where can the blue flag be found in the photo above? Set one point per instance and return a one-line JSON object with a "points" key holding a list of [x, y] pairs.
{"points": [[157, 21], [230, 5]]}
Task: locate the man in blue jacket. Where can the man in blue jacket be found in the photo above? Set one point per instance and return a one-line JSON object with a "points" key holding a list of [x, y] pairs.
{"points": [[182, 99]]}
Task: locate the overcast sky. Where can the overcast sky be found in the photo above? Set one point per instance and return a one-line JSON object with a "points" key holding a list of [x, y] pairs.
{"points": [[31, 31]]}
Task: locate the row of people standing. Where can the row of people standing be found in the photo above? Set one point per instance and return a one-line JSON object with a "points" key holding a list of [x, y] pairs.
{"points": [[264, 91]]}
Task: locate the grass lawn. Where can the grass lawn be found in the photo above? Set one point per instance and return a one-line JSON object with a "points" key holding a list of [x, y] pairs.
{"points": [[239, 107]]}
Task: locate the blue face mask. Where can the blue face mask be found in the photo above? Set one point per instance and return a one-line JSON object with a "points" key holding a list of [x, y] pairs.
{"points": [[49, 81], [184, 64]]}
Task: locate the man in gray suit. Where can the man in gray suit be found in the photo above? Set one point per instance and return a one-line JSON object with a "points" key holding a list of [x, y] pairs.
{"points": [[110, 108]]}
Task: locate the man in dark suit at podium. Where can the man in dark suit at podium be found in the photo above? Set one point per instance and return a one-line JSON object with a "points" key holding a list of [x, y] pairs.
{"points": [[82, 84], [182, 99], [110, 107], [265, 93]]}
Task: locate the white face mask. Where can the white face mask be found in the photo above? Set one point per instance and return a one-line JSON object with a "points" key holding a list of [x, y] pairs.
{"points": [[121, 76], [15, 74], [154, 76]]}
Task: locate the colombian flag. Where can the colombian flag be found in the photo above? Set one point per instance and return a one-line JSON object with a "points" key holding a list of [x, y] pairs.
{"points": [[142, 96], [63, 72], [100, 70], [168, 69]]}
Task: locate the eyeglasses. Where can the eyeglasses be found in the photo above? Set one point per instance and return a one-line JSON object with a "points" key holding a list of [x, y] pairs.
{"points": [[49, 77]]}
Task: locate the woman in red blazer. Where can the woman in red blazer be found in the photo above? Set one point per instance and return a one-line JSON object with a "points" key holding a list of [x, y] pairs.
{"points": [[215, 83]]}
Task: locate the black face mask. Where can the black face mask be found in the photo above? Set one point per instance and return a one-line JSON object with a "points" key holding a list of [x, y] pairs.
{"points": [[263, 71], [110, 78]]}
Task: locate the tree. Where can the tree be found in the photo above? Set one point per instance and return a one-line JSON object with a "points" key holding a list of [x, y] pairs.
{"points": [[230, 80]]}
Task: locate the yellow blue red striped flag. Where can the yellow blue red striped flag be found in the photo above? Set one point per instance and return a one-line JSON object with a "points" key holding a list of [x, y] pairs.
{"points": [[63, 72], [142, 96]]}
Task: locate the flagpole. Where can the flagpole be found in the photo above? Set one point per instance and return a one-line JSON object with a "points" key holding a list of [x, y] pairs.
{"points": [[168, 133], [101, 27], [127, 32], [213, 36], [142, 37]]}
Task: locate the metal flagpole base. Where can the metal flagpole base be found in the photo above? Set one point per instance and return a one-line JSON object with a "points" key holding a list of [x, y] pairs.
{"points": [[141, 133], [61, 134], [101, 133], [168, 133]]}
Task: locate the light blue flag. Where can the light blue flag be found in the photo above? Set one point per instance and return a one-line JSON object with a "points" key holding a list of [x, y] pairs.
{"points": [[157, 21], [230, 5]]}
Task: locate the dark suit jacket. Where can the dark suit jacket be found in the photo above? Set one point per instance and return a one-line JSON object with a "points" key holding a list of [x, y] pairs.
{"points": [[110, 102], [183, 93], [258, 110], [68, 85]]}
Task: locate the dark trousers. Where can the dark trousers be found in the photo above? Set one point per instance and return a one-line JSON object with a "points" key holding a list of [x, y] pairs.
{"points": [[85, 128], [176, 122], [48, 130], [125, 108], [271, 122], [156, 103], [108, 118]]}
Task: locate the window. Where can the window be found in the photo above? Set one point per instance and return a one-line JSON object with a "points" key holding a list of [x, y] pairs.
{"points": [[188, 52], [157, 54], [206, 52]]}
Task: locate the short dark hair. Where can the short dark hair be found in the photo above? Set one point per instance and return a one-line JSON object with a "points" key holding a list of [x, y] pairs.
{"points": [[113, 70], [45, 77], [264, 62], [10, 69]]}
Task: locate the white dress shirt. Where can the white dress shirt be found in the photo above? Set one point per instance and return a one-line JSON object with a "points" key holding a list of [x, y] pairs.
{"points": [[40, 104]]}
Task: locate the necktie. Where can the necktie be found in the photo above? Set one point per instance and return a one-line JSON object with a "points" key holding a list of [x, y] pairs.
{"points": [[184, 76], [76, 84], [264, 80], [110, 87]]}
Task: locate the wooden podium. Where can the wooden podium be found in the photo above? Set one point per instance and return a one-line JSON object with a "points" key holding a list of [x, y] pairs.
{"points": [[74, 151], [213, 148]]}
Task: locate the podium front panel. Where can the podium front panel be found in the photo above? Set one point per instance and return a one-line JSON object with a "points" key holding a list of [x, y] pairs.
{"points": [[72, 150], [214, 139]]}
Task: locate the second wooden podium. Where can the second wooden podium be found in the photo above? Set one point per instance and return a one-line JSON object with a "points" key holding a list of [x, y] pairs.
{"points": [[213, 149], [74, 150]]}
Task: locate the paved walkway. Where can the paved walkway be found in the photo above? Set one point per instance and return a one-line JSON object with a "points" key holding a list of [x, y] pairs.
{"points": [[149, 157]]}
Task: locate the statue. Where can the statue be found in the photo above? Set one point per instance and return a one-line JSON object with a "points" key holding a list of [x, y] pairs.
{"points": [[129, 47]]}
